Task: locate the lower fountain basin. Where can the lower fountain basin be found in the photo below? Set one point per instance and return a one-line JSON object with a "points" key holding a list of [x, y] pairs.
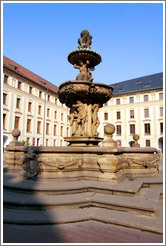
{"points": [[96, 163]]}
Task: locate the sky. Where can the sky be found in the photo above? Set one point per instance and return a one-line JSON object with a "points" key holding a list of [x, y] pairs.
{"points": [[128, 36]]}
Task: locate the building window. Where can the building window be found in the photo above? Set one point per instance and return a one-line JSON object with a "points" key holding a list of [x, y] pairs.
{"points": [[48, 98], [61, 142], [17, 122], [19, 85], [30, 89], [61, 131], [161, 111], [40, 94], [5, 98], [55, 129], [18, 103], [118, 130], [56, 101], [54, 142], [132, 129], [6, 78], [146, 112], [29, 107], [39, 127], [67, 130], [46, 142], [4, 121], [160, 96], [131, 99], [105, 116], [161, 128], [39, 109], [117, 101], [47, 128], [147, 143], [118, 115], [147, 129], [28, 125], [145, 98], [131, 114], [48, 112], [61, 116], [55, 114]]}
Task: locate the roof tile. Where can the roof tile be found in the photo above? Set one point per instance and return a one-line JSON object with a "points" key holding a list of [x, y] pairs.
{"points": [[146, 83]]}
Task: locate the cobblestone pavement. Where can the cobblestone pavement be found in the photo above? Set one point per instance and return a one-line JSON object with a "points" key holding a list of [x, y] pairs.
{"points": [[82, 232]]}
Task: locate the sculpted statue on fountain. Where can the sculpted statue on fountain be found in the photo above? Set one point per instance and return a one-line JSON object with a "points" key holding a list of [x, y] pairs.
{"points": [[85, 74]]}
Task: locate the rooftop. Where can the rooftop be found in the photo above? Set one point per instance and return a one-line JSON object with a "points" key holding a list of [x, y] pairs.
{"points": [[15, 67], [145, 83]]}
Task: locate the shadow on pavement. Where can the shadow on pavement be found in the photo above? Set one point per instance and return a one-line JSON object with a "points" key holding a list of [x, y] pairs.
{"points": [[15, 231]]}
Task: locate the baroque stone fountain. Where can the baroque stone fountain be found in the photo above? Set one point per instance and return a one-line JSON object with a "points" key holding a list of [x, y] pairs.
{"points": [[83, 158], [83, 181], [83, 97]]}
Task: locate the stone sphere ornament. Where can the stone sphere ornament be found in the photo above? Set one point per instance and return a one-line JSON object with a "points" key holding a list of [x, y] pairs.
{"points": [[136, 137], [15, 133], [109, 129]]}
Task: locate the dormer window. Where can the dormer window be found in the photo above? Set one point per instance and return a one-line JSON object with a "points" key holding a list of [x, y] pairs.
{"points": [[14, 67]]}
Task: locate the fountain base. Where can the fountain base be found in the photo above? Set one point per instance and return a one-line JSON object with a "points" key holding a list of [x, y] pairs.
{"points": [[83, 141], [97, 163]]}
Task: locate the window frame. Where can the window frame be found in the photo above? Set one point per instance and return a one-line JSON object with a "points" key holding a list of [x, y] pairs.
{"points": [[147, 129]]}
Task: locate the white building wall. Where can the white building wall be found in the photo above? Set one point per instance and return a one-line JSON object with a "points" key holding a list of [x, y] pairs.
{"points": [[153, 104], [12, 91]]}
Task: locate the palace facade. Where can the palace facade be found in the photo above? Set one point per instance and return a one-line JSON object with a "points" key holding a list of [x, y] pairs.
{"points": [[31, 104], [136, 108]]}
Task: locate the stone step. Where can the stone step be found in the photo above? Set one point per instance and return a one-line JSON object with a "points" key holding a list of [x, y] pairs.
{"points": [[125, 187], [145, 202], [137, 221]]}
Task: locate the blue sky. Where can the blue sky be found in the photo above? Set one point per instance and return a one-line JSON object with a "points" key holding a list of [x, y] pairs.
{"points": [[129, 37]]}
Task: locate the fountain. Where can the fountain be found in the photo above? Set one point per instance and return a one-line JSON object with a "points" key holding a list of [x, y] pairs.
{"points": [[83, 165], [83, 97], [83, 157]]}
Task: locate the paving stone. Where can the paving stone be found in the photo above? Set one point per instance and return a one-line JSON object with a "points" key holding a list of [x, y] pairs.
{"points": [[67, 233]]}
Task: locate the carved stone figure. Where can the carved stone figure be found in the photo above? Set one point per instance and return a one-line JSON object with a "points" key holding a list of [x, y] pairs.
{"points": [[73, 120], [85, 73], [95, 119], [85, 40], [30, 163], [78, 119]]}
